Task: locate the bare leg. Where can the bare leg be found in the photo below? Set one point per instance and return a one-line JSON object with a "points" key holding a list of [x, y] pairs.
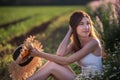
{"points": [[58, 71]]}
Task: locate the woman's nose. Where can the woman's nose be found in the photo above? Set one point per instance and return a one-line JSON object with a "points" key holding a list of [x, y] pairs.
{"points": [[86, 27]]}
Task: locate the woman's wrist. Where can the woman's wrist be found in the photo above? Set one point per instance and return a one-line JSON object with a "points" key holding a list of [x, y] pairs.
{"points": [[70, 29]]}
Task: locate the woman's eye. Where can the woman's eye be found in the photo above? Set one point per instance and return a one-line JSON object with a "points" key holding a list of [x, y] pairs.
{"points": [[81, 23]]}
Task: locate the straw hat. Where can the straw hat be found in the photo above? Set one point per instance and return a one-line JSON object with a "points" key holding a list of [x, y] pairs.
{"points": [[23, 66]]}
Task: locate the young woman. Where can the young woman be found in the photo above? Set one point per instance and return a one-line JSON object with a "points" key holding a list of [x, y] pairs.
{"points": [[85, 47]]}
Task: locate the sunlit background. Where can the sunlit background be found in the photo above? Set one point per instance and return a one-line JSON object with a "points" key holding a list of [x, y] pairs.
{"points": [[48, 21]]}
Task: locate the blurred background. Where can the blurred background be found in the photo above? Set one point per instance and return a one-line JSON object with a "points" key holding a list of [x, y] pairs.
{"points": [[43, 2], [48, 21]]}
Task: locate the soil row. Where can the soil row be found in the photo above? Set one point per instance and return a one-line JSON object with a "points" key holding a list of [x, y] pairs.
{"points": [[7, 25]]}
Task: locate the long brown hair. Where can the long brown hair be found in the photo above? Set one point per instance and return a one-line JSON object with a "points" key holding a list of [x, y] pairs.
{"points": [[75, 18]]}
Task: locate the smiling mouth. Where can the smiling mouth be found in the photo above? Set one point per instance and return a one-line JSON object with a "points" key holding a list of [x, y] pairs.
{"points": [[86, 31]]}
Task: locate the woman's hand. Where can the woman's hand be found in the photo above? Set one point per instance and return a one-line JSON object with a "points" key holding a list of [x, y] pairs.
{"points": [[70, 29], [34, 52]]}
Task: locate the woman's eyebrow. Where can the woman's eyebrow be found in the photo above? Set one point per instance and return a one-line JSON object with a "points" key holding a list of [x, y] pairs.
{"points": [[81, 22]]}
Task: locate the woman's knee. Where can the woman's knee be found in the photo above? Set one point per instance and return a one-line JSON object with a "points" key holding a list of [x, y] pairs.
{"points": [[51, 65]]}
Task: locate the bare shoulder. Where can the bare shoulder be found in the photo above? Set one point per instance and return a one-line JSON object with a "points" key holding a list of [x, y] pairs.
{"points": [[94, 41], [97, 49], [92, 44]]}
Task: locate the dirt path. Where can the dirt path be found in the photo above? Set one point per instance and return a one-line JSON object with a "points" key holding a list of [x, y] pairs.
{"points": [[6, 25], [37, 29], [16, 41]]}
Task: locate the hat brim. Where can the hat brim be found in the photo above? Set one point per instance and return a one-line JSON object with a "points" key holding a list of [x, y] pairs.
{"points": [[17, 53]]}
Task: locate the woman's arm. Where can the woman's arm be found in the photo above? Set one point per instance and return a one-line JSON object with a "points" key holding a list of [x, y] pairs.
{"points": [[64, 48], [89, 47]]}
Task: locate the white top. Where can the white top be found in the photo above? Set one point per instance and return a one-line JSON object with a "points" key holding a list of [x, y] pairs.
{"points": [[91, 64]]}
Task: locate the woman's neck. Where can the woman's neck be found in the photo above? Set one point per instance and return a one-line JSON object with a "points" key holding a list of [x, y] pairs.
{"points": [[84, 40]]}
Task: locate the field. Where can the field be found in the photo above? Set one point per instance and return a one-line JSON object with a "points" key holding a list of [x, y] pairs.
{"points": [[18, 23], [49, 24]]}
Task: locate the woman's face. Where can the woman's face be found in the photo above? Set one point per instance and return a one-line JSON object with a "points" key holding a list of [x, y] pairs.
{"points": [[83, 28]]}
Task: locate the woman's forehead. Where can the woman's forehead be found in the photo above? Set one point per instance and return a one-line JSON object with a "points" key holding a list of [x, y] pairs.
{"points": [[84, 19]]}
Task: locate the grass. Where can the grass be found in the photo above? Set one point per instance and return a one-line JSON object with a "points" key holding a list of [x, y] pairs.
{"points": [[9, 14], [44, 14]]}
